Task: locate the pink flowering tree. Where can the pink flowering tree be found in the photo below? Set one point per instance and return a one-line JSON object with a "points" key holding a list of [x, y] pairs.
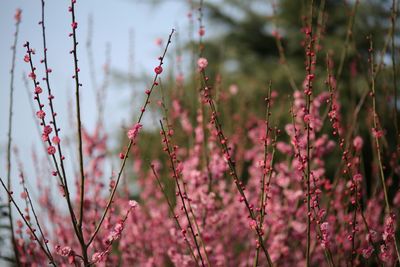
{"points": [[281, 180]]}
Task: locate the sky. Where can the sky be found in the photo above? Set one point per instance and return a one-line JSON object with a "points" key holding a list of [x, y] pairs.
{"points": [[126, 26]]}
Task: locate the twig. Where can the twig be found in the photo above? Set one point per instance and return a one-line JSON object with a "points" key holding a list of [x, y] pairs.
{"points": [[224, 146], [377, 143], [49, 256], [266, 170], [131, 143], [394, 74], [176, 176], [9, 136], [308, 92], [171, 209]]}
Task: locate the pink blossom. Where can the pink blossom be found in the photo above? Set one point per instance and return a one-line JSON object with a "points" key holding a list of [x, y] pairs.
{"points": [[159, 41], [132, 203], [202, 63], [51, 150], [24, 195], [388, 234], [55, 140], [38, 90], [47, 129], [158, 69], [377, 133], [45, 137], [253, 224], [358, 143], [133, 132], [367, 252], [202, 31], [40, 114], [325, 234], [17, 15], [233, 89], [65, 251], [98, 257], [357, 177], [32, 75]]}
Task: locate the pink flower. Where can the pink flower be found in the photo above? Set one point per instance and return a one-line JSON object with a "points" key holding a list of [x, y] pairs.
{"points": [[253, 224], [17, 15], [310, 77], [51, 150], [40, 114], [132, 203], [38, 90], [233, 89], [308, 118], [202, 31], [74, 25], [47, 130], [56, 140], [325, 235], [97, 257], [45, 137], [26, 58], [377, 133], [358, 143], [367, 252], [24, 195], [133, 132], [159, 41], [202, 63], [388, 234], [158, 69], [65, 251], [32, 75]]}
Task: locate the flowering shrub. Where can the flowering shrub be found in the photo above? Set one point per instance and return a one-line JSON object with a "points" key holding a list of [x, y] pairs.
{"points": [[256, 194]]}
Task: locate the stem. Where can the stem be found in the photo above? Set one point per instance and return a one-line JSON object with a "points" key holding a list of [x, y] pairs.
{"points": [[378, 147], [58, 173], [45, 241], [223, 142], [11, 199], [176, 177], [297, 154], [344, 145], [281, 51], [53, 113], [171, 209], [393, 32], [78, 116], [9, 139], [131, 143], [309, 50], [77, 228], [265, 170], [173, 158], [347, 40]]}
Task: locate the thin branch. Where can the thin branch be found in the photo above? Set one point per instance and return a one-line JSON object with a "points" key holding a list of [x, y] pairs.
{"points": [[11, 199], [224, 146], [171, 209], [9, 136], [176, 177], [131, 143]]}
